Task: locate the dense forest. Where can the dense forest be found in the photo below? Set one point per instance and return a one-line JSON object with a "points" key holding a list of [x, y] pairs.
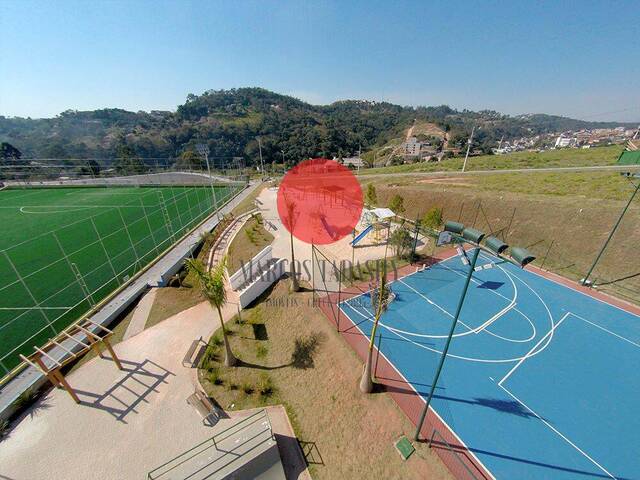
{"points": [[231, 121]]}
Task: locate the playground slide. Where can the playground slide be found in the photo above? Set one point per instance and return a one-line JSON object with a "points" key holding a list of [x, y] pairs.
{"points": [[361, 235]]}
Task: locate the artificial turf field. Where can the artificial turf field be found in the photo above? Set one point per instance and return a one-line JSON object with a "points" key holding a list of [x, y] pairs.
{"points": [[63, 250]]}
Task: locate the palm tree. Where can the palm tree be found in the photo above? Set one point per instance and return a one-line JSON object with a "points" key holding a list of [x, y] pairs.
{"points": [[291, 218], [384, 297], [212, 286]]}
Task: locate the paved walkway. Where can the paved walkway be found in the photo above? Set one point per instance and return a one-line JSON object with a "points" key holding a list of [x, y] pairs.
{"points": [[141, 314]]}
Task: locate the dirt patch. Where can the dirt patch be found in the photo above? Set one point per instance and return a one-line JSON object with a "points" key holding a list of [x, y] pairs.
{"points": [[447, 181], [312, 371]]}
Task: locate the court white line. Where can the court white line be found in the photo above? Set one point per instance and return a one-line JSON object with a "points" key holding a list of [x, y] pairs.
{"points": [[556, 430], [431, 407], [608, 331], [431, 302], [530, 352]]}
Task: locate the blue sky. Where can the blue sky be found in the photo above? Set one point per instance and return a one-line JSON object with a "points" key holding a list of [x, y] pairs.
{"points": [[579, 59]]}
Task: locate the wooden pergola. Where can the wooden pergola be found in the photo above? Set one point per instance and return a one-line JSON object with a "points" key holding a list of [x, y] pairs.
{"points": [[68, 341]]}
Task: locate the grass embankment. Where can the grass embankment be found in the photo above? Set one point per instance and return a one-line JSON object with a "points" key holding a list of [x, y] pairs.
{"points": [[564, 218], [247, 243], [551, 158], [248, 203], [290, 354]]}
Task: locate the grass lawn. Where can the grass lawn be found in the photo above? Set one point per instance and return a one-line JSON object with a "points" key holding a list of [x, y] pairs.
{"points": [[247, 243], [248, 203], [66, 249], [551, 158], [291, 354], [170, 301]]}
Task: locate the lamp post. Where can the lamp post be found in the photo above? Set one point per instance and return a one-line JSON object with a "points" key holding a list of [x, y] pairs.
{"points": [[261, 163], [493, 245], [203, 150]]}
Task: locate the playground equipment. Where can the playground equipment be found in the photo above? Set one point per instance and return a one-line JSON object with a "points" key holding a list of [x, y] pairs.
{"points": [[374, 220]]}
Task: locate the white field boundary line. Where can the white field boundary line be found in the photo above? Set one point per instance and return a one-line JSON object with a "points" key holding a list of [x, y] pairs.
{"points": [[431, 302], [530, 353], [556, 431], [431, 408], [605, 330]]}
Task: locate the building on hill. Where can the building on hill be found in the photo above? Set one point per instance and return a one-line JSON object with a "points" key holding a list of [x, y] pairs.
{"points": [[356, 162]]}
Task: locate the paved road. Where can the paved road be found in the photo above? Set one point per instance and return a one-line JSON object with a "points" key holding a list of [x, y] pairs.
{"points": [[599, 168]]}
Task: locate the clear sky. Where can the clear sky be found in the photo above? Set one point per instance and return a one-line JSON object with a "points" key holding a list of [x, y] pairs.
{"points": [[580, 59]]}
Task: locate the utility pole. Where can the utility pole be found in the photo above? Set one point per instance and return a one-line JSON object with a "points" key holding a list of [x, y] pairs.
{"points": [[464, 165], [261, 162]]}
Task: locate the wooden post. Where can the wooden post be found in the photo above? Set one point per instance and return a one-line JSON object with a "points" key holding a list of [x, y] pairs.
{"points": [[113, 353], [66, 386], [46, 371]]}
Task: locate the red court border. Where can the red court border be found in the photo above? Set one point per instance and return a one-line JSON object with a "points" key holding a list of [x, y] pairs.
{"points": [[399, 388]]}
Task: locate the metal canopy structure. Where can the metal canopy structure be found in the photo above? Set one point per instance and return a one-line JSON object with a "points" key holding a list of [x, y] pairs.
{"points": [[75, 341]]}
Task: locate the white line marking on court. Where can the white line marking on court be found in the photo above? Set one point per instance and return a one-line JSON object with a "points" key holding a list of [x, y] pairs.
{"points": [[604, 329], [433, 410], [530, 352], [556, 430], [433, 303]]}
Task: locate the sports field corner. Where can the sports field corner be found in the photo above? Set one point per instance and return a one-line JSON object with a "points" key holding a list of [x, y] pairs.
{"points": [[63, 250], [531, 358]]}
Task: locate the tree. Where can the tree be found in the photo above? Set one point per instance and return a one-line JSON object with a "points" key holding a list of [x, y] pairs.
{"points": [[127, 162], [290, 222], [432, 219], [371, 197], [401, 240], [91, 167], [384, 297], [190, 160], [9, 152], [212, 286], [397, 204]]}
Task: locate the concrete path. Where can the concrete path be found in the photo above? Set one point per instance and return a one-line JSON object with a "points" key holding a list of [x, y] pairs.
{"points": [[140, 314]]}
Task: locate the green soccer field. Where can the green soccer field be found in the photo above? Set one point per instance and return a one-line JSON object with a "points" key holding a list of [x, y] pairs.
{"points": [[62, 250]]}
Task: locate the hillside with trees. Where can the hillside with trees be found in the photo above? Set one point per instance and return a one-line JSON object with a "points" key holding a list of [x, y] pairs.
{"points": [[231, 121]]}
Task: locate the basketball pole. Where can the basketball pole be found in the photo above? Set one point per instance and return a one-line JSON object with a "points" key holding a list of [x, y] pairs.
{"points": [[472, 266], [585, 280]]}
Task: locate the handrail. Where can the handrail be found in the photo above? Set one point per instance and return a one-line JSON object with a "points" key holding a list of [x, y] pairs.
{"points": [[244, 423]]}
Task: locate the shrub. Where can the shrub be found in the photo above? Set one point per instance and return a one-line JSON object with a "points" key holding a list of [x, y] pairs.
{"points": [[265, 386], [214, 377], [247, 388], [4, 428], [261, 351]]}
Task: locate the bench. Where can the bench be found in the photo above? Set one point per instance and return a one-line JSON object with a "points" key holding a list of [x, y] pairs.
{"points": [[189, 356], [204, 406]]}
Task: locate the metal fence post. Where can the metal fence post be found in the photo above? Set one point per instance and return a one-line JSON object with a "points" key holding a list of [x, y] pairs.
{"points": [[104, 249]]}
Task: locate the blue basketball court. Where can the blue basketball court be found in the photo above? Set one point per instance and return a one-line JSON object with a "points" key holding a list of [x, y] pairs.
{"points": [[541, 381]]}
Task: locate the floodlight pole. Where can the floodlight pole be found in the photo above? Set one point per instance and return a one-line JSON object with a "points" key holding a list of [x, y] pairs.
{"points": [[472, 266], [261, 162], [203, 149], [585, 280]]}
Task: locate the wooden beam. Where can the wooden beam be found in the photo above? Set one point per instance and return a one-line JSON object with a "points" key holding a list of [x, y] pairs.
{"points": [[42, 352], [89, 333], [101, 327], [79, 342], [63, 348], [113, 353], [66, 386], [52, 378]]}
